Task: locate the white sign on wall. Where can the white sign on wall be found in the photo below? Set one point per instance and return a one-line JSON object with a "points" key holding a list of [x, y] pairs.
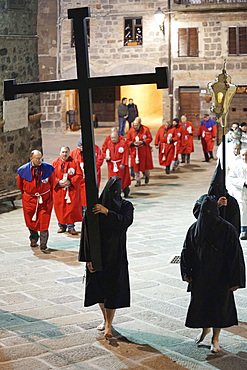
{"points": [[15, 114]]}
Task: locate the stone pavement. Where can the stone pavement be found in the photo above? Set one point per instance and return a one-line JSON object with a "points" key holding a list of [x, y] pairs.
{"points": [[43, 324]]}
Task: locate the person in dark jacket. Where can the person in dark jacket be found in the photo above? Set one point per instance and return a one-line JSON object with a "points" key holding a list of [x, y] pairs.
{"points": [[109, 287], [132, 112], [212, 263], [122, 116]]}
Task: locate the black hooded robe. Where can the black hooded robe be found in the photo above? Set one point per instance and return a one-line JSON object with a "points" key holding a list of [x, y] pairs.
{"points": [[213, 257], [231, 212], [111, 285]]}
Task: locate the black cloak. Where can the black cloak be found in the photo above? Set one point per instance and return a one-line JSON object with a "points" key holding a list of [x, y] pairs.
{"points": [[231, 212], [111, 285], [212, 256]]}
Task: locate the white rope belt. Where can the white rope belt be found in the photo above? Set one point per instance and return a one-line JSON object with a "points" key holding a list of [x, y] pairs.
{"points": [[115, 169], [163, 152], [175, 147], [39, 201], [67, 197]]}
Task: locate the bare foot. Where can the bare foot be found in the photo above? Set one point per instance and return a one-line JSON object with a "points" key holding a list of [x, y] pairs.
{"points": [[201, 336], [215, 347], [108, 335]]}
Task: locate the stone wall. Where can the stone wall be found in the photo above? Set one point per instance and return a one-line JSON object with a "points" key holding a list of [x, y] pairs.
{"points": [[18, 57], [48, 28]]}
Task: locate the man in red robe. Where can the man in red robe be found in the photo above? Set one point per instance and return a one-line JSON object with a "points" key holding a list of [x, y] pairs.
{"points": [[77, 153], [188, 145], [179, 143], [67, 199], [164, 141], [36, 180], [207, 131], [116, 153], [138, 140]]}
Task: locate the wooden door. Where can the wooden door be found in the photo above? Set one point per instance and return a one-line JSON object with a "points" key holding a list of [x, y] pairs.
{"points": [[104, 103], [189, 102], [238, 107]]}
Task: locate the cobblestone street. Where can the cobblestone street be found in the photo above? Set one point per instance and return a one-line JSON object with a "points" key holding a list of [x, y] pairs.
{"points": [[43, 324]]}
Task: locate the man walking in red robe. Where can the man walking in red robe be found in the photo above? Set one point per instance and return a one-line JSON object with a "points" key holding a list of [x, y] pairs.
{"points": [[36, 180], [188, 145], [164, 141], [116, 153], [67, 200], [138, 140], [77, 153], [207, 131]]}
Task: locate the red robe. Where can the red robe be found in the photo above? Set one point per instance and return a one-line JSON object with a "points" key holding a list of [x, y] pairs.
{"points": [[30, 201], [143, 153], [119, 154], [67, 212], [207, 134], [180, 140], [166, 139], [76, 154], [188, 145]]}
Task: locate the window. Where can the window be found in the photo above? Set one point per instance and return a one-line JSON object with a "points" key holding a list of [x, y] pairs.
{"points": [[188, 42], [73, 34], [12, 4], [237, 40], [132, 31]]}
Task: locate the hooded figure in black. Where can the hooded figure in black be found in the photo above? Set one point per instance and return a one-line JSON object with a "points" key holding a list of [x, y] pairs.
{"points": [[212, 263], [228, 205], [109, 287]]}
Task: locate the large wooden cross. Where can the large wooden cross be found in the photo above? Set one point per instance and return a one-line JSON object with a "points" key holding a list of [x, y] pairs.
{"points": [[83, 83]]}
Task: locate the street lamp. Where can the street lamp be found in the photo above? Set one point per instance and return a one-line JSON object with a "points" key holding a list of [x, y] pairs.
{"points": [[159, 17], [222, 92]]}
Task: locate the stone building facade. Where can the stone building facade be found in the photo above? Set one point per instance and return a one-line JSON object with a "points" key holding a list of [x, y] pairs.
{"points": [[193, 43], [19, 60]]}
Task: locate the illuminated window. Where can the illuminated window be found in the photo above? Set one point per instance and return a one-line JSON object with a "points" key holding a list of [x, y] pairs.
{"points": [[132, 31]]}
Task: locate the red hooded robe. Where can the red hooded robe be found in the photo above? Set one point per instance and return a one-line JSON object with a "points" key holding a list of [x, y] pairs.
{"points": [[166, 139], [67, 202], [37, 200], [119, 154], [141, 157]]}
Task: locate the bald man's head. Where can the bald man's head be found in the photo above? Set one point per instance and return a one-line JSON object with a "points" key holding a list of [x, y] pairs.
{"points": [[36, 158]]}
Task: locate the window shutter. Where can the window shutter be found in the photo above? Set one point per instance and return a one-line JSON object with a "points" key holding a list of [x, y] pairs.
{"points": [[232, 44], [193, 42], [182, 42], [242, 40]]}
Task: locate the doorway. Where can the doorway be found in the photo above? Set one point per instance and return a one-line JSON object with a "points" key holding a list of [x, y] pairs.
{"points": [[189, 104], [148, 100]]}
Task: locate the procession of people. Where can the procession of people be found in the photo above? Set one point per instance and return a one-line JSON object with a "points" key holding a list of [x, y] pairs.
{"points": [[212, 260]]}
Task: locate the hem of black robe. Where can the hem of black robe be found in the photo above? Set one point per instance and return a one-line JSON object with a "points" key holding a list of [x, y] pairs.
{"points": [[113, 307], [203, 325]]}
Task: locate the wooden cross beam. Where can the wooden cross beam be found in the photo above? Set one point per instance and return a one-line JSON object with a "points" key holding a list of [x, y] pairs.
{"points": [[84, 84]]}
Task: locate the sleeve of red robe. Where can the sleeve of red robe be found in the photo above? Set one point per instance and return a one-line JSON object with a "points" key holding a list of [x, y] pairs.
{"points": [[157, 137], [149, 138], [20, 183], [214, 130]]}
